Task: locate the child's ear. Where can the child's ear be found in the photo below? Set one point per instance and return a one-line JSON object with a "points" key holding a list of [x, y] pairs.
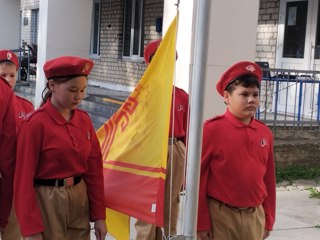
{"points": [[226, 96], [51, 84]]}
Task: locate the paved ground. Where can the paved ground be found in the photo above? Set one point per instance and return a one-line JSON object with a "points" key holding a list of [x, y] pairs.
{"points": [[298, 216]]}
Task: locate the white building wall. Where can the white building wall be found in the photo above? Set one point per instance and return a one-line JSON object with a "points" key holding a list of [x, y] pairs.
{"points": [[64, 29], [232, 38], [10, 19]]}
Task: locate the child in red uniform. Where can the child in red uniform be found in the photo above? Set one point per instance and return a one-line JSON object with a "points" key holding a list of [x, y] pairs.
{"points": [[9, 64], [58, 178], [175, 164], [237, 183], [7, 151]]}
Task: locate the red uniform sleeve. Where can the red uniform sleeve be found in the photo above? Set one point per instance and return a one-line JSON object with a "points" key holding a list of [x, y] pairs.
{"points": [[94, 181], [27, 210], [7, 151], [269, 204], [204, 221], [186, 116]]}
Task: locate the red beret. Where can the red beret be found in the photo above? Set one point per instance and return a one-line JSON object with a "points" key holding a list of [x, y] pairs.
{"points": [[150, 50], [67, 66], [9, 56], [237, 70]]}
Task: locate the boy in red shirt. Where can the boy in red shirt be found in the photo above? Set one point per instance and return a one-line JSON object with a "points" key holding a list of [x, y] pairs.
{"points": [[175, 164], [237, 183]]}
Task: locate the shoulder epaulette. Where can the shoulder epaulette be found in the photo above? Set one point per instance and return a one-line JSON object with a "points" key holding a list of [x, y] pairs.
{"points": [[213, 119], [25, 100], [29, 115]]}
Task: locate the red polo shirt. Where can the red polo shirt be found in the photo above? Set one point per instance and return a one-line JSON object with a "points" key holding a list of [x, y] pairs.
{"points": [[179, 113], [49, 147], [237, 167], [7, 149]]}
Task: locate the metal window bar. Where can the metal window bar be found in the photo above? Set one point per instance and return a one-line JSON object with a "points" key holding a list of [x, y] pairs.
{"points": [[290, 98]]}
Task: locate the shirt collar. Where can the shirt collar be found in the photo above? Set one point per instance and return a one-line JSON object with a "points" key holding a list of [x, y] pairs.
{"points": [[237, 123], [57, 117]]}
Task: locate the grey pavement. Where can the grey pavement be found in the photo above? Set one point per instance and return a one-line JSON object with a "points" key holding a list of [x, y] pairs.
{"points": [[297, 215]]}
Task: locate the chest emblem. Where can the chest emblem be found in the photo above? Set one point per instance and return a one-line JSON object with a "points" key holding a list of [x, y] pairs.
{"points": [[180, 107], [263, 142], [21, 115]]}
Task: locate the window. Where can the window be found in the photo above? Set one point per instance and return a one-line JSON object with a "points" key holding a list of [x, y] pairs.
{"points": [[34, 25], [295, 29], [133, 29], [95, 29]]}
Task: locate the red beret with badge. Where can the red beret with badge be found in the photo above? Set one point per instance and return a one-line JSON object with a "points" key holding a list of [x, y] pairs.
{"points": [[67, 66], [9, 56], [237, 70]]}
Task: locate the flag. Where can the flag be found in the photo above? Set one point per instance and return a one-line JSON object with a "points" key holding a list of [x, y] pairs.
{"points": [[134, 143]]}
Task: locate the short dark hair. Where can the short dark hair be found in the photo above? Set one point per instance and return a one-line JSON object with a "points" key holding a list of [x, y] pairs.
{"points": [[244, 81]]}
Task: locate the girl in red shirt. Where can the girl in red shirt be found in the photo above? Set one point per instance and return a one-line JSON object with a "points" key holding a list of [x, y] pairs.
{"points": [[58, 178]]}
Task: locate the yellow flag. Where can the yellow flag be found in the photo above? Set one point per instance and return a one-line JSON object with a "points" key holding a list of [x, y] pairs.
{"points": [[118, 224], [134, 142]]}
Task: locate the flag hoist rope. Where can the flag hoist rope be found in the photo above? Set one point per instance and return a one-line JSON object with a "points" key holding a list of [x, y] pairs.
{"points": [[172, 116]]}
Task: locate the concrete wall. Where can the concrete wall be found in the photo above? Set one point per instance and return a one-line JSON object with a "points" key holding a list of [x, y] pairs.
{"points": [[10, 20], [296, 146]]}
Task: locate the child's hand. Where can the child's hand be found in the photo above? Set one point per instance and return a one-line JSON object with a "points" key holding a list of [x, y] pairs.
{"points": [[100, 229], [266, 234], [204, 235]]}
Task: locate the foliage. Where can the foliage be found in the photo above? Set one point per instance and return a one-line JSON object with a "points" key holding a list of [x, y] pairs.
{"points": [[297, 172], [314, 193]]}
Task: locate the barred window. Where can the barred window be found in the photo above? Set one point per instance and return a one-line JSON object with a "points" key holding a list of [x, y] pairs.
{"points": [[95, 28], [133, 29]]}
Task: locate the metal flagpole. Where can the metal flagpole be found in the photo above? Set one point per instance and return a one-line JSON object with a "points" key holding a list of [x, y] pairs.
{"points": [[201, 17]]}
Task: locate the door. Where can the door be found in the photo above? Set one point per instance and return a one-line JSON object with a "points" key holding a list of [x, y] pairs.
{"points": [[296, 34], [298, 49]]}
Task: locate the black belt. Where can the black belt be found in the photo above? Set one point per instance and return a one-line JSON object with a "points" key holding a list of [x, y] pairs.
{"points": [[232, 207], [65, 182]]}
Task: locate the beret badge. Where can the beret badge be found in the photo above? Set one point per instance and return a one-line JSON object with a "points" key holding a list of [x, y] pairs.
{"points": [[9, 55], [86, 67], [251, 68]]}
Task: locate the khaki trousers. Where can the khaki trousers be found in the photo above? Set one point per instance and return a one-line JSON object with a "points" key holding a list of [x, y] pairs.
{"points": [[229, 223], [174, 180], [65, 212], [12, 230]]}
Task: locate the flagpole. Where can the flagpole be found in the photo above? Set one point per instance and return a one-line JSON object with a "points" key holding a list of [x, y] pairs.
{"points": [[196, 117]]}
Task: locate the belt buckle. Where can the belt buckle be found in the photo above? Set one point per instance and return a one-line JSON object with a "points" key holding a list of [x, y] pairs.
{"points": [[68, 181]]}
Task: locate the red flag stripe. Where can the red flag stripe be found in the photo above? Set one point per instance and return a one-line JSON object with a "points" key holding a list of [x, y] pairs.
{"points": [[135, 166]]}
